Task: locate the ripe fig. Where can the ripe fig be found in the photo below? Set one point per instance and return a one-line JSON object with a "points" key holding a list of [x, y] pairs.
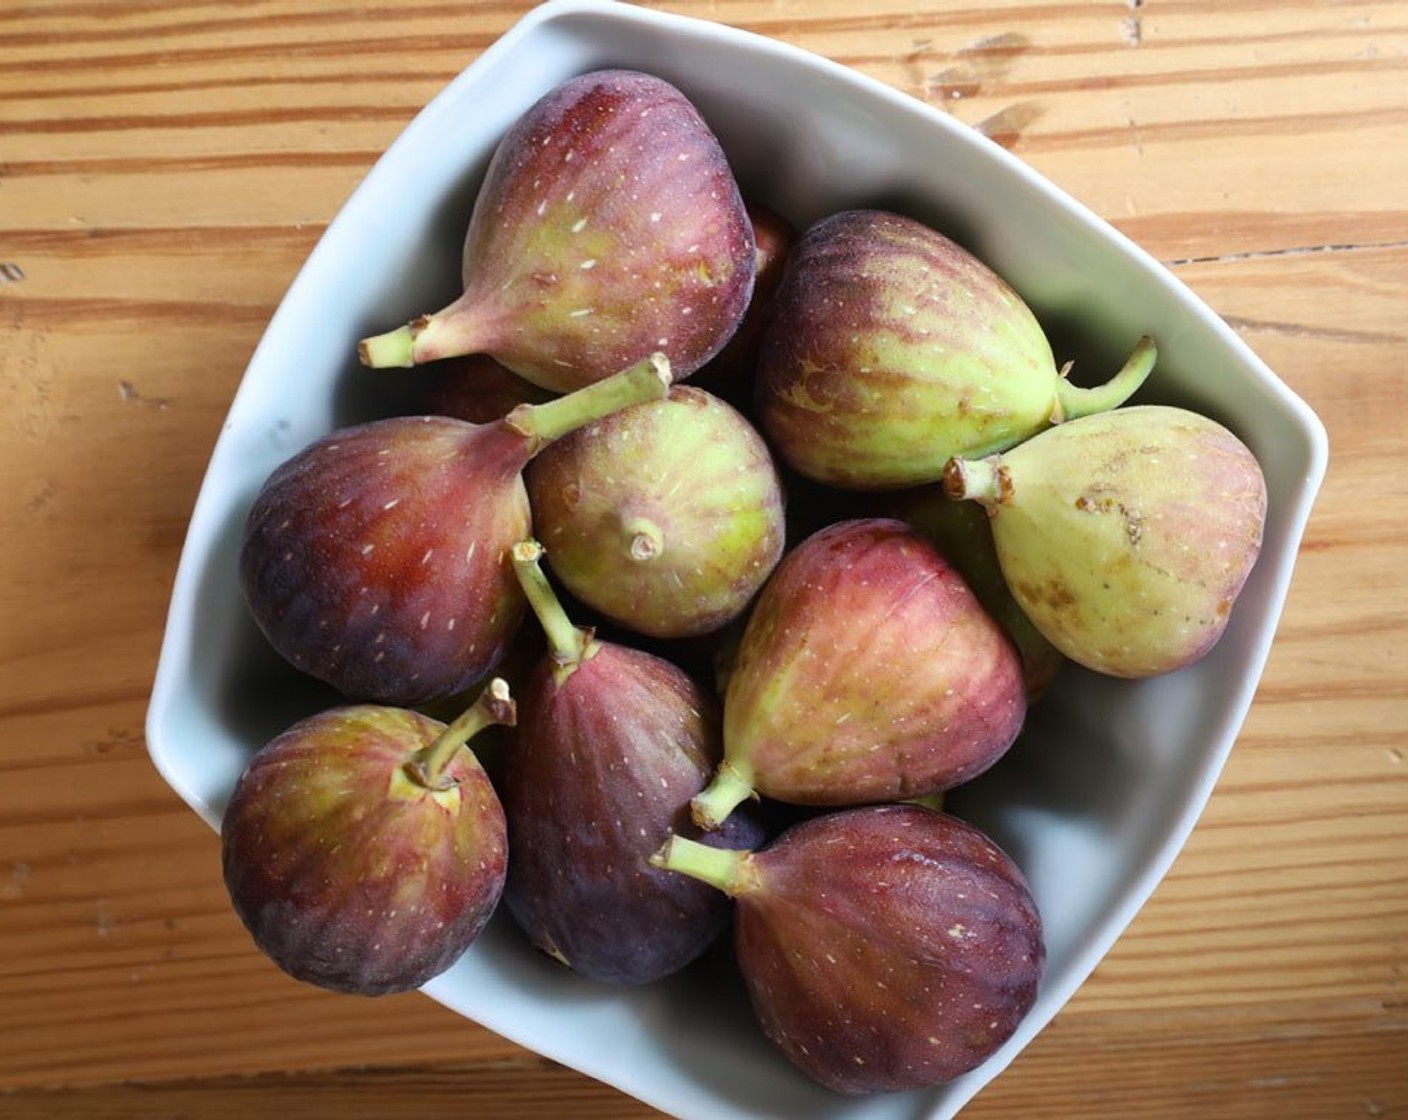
{"points": [[868, 671], [1125, 536], [364, 848], [884, 948], [891, 349], [609, 224], [962, 532], [376, 559], [611, 745], [666, 517]]}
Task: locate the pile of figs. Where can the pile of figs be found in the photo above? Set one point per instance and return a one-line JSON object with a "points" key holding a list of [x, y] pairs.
{"points": [[735, 546]]}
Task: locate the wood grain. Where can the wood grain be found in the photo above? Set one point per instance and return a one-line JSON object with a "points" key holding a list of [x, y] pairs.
{"points": [[165, 167]]}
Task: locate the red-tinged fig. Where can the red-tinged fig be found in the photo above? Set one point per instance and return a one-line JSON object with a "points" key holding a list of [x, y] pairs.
{"points": [[376, 559], [868, 671], [609, 224], [611, 745], [365, 848], [729, 374], [666, 517], [891, 349], [1125, 536], [962, 531], [884, 948], [476, 388]]}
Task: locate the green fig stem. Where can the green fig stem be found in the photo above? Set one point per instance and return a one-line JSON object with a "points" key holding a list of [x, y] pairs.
{"points": [[568, 644], [724, 868], [1074, 401], [647, 380], [644, 539], [729, 788], [985, 481], [494, 706], [394, 349]]}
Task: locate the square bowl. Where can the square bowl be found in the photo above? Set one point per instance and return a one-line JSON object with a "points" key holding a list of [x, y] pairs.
{"points": [[1108, 778]]}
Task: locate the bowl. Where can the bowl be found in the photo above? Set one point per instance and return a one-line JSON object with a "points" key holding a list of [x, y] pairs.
{"points": [[1109, 777]]}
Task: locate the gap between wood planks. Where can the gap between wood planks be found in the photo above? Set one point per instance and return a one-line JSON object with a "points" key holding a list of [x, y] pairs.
{"points": [[1289, 251]]}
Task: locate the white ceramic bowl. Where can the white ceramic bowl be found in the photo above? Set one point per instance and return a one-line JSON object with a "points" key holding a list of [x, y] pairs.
{"points": [[1109, 778]]}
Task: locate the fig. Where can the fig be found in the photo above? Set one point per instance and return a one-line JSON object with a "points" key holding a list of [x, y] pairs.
{"points": [[476, 388], [611, 745], [891, 349], [376, 558], [1125, 536], [364, 848], [883, 948], [868, 671], [609, 225], [666, 517], [961, 531]]}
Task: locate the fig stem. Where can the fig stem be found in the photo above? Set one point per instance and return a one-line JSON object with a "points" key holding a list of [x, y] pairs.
{"points": [[647, 380], [729, 788], [567, 642], [724, 868], [494, 705], [394, 349], [1074, 401], [985, 481]]}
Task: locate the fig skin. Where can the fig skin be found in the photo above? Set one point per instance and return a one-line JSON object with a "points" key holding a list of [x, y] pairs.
{"points": [[359, 858], [667, 518], [377, 558], [1125, 536], [884, 948], [962, 533], [868, 671], [609, 225], [611, 745], [891, 349], [478, 389]]}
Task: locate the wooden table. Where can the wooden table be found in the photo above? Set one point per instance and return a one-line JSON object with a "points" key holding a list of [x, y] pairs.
{"points": [[164, 169]]}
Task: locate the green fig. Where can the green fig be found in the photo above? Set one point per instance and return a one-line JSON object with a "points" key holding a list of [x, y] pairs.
{"points": [[891, 349], [1125, 536], [666, 517]]}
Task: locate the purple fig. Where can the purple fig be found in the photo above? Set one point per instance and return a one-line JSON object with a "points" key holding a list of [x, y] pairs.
{"points": [[1125, 536], [611, 745], [962, 532], [868, 671], [609, 225], [884, 948], [376, 559], [364, 848], [892, 349], [477, 388], [666, 517]]}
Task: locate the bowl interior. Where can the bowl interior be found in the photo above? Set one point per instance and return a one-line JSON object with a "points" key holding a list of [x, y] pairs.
{"points": [[1108, 778]]}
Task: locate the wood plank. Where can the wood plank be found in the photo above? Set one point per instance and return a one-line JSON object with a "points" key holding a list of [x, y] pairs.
{"points": [[165, 167]]}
